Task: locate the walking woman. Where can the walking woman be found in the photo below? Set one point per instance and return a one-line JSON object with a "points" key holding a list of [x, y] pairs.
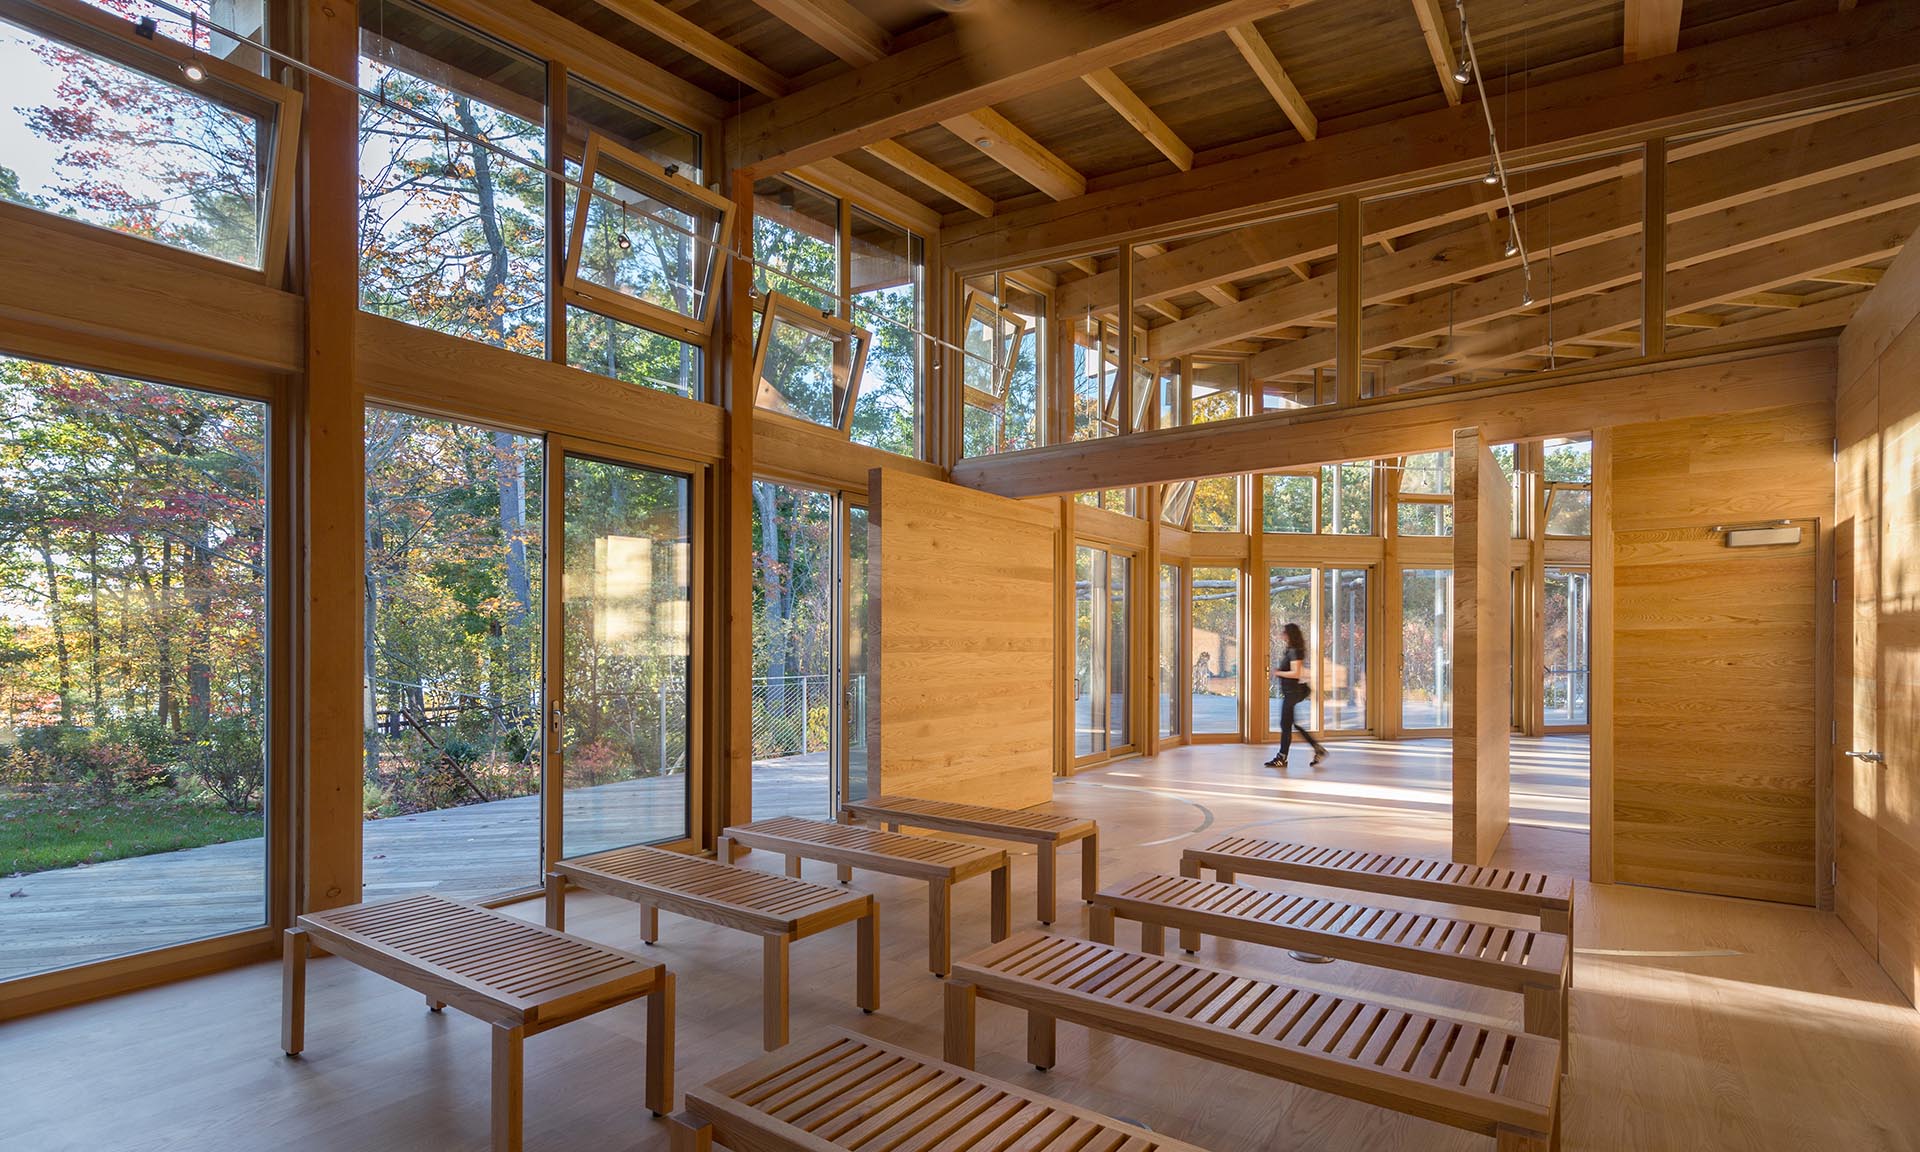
{"points": [[1291, 670]]}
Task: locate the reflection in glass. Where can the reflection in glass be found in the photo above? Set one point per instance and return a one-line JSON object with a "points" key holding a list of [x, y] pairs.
{"points": [[1426, 648], [1119, 589], [1215, 645], [1569, 512], [1346, 498], [1171, 682], [1343, 649], [1089, 655], [793, 614], [1569, 645], [631, 354], [1289, 601], [807, 365], [855, 785], [886, 268]]}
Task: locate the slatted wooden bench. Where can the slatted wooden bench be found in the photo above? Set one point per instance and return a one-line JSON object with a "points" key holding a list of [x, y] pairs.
{"points": [[519, 977], [778, 909], [941, 863], [1414, 877], [838, 1090], [1480, 1079], [1533, 963], [1046, 831]]}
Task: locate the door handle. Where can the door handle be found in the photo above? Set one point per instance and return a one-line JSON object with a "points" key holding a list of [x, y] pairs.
{"points": [[1869, 757]]}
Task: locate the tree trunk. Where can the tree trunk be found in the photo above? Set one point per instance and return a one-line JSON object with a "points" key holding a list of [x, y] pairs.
{"points": [[200, 641], [62, 658], [94, 678]]}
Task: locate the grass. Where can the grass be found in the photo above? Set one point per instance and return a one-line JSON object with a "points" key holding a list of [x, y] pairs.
{"points": [[39, 830]]}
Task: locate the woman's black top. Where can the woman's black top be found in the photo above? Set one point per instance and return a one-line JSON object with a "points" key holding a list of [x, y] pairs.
{"points": [[1291, 689]]}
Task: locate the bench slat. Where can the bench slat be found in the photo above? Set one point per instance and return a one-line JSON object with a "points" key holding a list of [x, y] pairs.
{"points": [[715, 892], [1012, 823], [919, 857]]}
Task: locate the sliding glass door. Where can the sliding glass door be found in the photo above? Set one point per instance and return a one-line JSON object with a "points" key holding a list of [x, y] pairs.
{"points": [[1568, 646], [1330, 606], [1102, 697]]}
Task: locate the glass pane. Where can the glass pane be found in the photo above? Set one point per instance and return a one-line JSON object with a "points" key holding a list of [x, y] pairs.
{"points": [[1215, 645], [1346, 498], [152, 159], [1343, 644], [1288, 503], [1177, 504], [171, 19], [1425, 519], [1570, 512], [1426, 648], [1089, 657], [591, 108], [1167, 394], [1569, 650], [650, 240], [1119, 668], [981, 431], [627, 655], [1427, 474], [1216, 504], [1024, 389], [857, 616], [1569, 461], [632, 355], [793, 614], [808, 369], [796, 230], [454, 566], [887, 267], [1170, 660], [453, 236], [1216, 391], [133, 675], [1290, 601], [1095, 348]]}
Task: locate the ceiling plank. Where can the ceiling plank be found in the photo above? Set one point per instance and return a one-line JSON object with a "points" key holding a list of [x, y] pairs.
{"points": [[1785, 69], [1833, 312], [703, 45], [1135, 111], [984, 62], [1653, 29], [1006, 145], [932, 175], [1433, 26], [835, 25], [1253, 48]]}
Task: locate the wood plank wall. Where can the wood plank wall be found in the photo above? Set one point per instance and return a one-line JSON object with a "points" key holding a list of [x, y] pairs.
{"points": [[962, 642], [1482, 643], [1717, 730]]}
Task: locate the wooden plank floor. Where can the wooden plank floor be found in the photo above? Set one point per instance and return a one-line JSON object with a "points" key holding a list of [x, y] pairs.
{"points": [[1698, 1022]]}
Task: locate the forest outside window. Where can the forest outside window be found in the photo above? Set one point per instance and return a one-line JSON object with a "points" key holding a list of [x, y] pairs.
{"points": [[887, 263], [808, 364], [1346, 498], [1568, 478], [110, 130], [1287, 503], [1424, 502]]}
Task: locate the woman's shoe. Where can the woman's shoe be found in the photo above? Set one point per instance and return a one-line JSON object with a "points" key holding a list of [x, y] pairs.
{"points": [[1318, 755], [1277, 762]]}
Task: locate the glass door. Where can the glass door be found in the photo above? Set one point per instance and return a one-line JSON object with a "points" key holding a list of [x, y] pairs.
{"points": [[795, 543], [1171, 684], [853, 725], [1567, 632]]}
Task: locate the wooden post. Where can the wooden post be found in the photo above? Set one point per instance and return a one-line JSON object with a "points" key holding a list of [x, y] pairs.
{"points": [[735, 506], [1482, 619], [293, 991]]}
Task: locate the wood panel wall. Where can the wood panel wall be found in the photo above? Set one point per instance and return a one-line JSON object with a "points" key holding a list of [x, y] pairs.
{"points": [[1482, 639], [962, 637], [1717, 725]]}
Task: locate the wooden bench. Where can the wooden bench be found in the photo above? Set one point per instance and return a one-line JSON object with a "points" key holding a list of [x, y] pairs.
{"points": [[1046, 831], [778, 909], [838, 1090], [941, 863], [1533, 963], [519, 977], [1413, 877], [1480, 1079]]}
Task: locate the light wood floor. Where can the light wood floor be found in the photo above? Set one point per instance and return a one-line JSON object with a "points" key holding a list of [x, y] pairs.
{"points": [[1698, 1022]]}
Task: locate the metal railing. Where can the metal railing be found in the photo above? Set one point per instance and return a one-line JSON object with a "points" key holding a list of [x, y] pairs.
{"points": [[792, 715]]}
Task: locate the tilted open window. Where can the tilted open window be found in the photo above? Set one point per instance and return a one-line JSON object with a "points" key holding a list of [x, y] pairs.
{"points": [[646, 243], [808, 363], [1176, 507], [991, 336]]}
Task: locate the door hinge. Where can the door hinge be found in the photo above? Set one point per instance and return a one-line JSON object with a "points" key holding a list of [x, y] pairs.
{"points": [[1836, 590]]}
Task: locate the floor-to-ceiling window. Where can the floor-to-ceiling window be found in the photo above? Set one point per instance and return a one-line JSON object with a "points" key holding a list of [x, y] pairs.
{"points": [[1289, 601], [454, 667], [793, 621], [1568, 620], [854, 786], [1119, 663], [1214, 631], [1342, 673], [626, 656], [1172, 684], [134, 696], [1426, 648], [1101, 688]]}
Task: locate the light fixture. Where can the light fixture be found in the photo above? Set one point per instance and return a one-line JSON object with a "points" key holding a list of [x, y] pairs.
{"points": [[1463, 72], [1513, 245], [1493, 173], [623, 241], [983, 142], [192, 71]]}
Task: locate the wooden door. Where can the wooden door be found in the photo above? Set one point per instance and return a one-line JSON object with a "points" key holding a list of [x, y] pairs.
{"points": [[1897, 812], [1856, 782]]}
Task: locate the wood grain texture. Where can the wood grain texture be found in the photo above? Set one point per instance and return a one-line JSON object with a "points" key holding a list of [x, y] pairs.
{"points": [[1714, 652], [962, 635], [1482, 643]]}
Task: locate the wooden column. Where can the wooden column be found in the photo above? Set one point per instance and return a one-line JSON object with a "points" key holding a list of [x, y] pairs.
{"points": [[734, 517], [334, 417], [1600, 685], [1482, 615]]}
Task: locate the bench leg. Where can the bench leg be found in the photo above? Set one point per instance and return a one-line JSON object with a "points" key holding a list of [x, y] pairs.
{"points": [[688, 1133], [293, 991], [660, 1046], [939, 927], [1040, 1030], [773, 990], [1221, 875], [508, 1066], [1189, 938], [724, 851], [961, 1002], [1002, 904], [866, 989], [843, 873], [1100, 924], [1044, 893], [1153, 938], [1089, 866], [649, 924], [1521, 1140], [435, 1005], [556, 902], [793, 865]]}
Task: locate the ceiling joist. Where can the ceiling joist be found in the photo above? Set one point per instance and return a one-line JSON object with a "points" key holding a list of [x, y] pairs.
{"points": [[913, 164], [703, 45], [1653, 29], [1433, 26], [835, 25], [1255, 51], [1135, 111], [1006, 145]]}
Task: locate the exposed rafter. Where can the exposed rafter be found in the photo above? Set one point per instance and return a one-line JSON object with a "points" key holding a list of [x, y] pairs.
{"points": [[1433, 26], [932, 175], [1653, 29], [1253, 47], [1005, 144], [703, 45], [1144, 120], [835, 25]]}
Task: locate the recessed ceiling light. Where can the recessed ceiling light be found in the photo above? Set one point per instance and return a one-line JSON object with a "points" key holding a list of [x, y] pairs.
{"points": [[983, 142]]}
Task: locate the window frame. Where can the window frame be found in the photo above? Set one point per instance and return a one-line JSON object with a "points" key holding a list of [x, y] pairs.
{"points": [[777, 306]]}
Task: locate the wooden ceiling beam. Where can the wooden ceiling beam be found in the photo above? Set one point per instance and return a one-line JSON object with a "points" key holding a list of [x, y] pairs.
{"points": [[1135, 111], [1259, 56], [991, 58], [904, 159], [703, 45], [1777, 71], [1834, 312], [1433, 26], [1006, 145], [1652, 29], [835, 25], [842, 179], [1867, 276]]}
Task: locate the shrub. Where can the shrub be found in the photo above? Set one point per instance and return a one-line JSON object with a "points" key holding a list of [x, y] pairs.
{"points": [[229, 758]]}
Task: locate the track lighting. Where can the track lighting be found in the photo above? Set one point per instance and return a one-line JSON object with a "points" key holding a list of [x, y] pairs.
{"points": [[1493, 173], [1463, 72], [623, 241], [193, 71], [1513, 246]]}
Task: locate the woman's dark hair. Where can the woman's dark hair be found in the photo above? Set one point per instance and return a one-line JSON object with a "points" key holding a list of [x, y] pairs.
{"points": [[1295, 637]]}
